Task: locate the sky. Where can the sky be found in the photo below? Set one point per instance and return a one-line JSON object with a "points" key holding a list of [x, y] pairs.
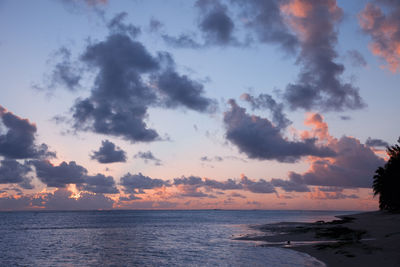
{"points": [[207, 104]]}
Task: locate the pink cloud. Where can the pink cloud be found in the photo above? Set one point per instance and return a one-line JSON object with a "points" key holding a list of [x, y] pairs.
{"points": [[384, 29]]}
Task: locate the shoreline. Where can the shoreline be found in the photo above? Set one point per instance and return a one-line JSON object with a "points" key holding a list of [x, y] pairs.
{"points": [[363, 239]]}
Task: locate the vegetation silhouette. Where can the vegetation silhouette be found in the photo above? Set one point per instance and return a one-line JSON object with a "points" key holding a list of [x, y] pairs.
{"points": [[387, 181]]}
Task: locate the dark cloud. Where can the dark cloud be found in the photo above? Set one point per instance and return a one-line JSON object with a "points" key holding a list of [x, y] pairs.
{"points": [[136, 183], [356, 58], [117, 26], [208, 159], [119, 99], [353, 166], [376, 142], [61, 175], [155, 25], [229, 184], [182, 41], [61, 200], [148, 156], [193, 183], [17, 138], [65, 73], [99, 184], [381, 21], [192, 191], [128, 80], [215, 22], [182, 91], [13, 172], [191, 180], [259, 139], [263, 17], [260, 187], [265, 101], [291, 185], [109, 153], [190, 187], [129, 198], [319, 84]]}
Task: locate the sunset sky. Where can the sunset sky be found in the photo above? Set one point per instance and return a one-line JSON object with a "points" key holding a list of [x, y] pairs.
{"points": [[176, 104]]}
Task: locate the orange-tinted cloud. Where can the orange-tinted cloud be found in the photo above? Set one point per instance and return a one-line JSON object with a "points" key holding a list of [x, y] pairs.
{"points": [[353, 165], [384, 29], [319, 194], [319, 128]]}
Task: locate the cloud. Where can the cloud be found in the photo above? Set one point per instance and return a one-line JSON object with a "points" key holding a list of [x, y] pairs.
{"points": [[99, 184], [61, 200], [258, 138], [384, 30], [353, 166], [229, 184], [376, 142], [128, 80], [11, 203], [13, 172], [136, 183], [149, 205], [17, 138], [182, 41], [61, 175], [215, 23], [356, 58], [148, 156], [119, 99], [319, 194], [155, 25], [109, 153], [261, 186], [182, 91], [265, 101], [291, 185], [319, 84], [234, 194], [117, 26], [263, 17], [208, 159], [190, 187], [193, 183], [65, 73]]}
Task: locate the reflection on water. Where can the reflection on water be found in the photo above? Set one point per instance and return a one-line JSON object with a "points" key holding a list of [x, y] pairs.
{"points": [[144, 238]]}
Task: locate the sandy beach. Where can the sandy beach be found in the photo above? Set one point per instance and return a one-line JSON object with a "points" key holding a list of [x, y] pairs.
{"points": [[364, 239]]}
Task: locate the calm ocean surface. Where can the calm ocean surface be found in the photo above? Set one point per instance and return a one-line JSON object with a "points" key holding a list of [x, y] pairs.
{"points": [[145, 238]]}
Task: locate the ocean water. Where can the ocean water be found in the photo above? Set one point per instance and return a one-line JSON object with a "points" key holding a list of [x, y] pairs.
{"points": [[146, 238]]}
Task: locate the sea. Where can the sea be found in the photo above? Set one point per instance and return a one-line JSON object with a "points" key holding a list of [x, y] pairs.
{"points": [[147, 238]]}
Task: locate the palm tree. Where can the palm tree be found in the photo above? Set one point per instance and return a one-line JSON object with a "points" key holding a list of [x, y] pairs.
{"points": [[387, 181]]}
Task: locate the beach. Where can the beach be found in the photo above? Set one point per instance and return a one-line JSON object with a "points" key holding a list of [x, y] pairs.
{"points": [[364, 239]]}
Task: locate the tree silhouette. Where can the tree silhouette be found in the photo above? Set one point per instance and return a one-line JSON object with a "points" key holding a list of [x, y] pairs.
{"points": [[387, 181]]}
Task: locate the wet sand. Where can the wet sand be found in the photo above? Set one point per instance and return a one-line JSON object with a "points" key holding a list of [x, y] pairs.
{"points": [[364, 239]]}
